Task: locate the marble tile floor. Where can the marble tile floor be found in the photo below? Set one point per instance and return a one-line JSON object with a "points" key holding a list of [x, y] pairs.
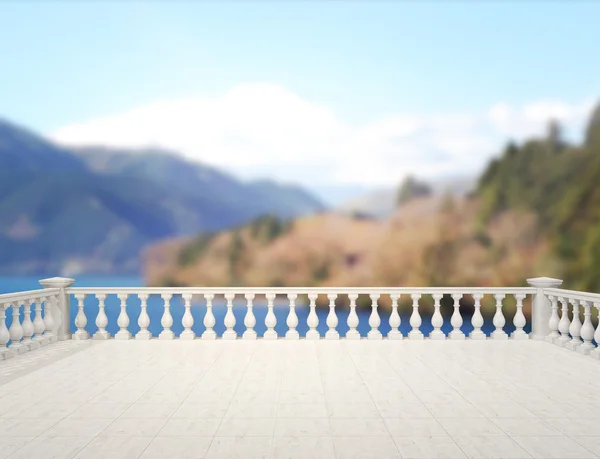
{"points": [[300, 399]]}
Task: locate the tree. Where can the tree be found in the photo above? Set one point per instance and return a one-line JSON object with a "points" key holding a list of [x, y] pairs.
{"points": [[411, 188]]}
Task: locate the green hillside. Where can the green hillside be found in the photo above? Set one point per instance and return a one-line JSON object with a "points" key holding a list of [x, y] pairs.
{"points": [[561, 184]]}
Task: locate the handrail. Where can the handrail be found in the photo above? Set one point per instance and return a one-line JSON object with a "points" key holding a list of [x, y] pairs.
{"points": [[27, 295], [299, 290], [573, 294]]}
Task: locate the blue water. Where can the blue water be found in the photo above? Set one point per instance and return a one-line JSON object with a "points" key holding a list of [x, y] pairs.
{"points": [[155, 310]]}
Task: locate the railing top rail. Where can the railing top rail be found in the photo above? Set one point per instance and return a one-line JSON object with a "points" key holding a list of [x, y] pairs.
{"points": [[27, 295], [573, 294], [300, 290]]}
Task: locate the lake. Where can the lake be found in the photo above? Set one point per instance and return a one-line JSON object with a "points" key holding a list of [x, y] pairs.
{"points": [[198, 310]]}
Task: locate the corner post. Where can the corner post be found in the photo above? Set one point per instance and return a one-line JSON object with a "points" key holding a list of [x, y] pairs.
{"points": [[62, 313], [541, 309]]}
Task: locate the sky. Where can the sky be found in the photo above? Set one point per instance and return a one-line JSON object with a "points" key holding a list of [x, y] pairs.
{"points": [[338, 96]]}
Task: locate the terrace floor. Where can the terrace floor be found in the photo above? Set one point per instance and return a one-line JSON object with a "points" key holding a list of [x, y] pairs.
{"points": [[306, 399]]}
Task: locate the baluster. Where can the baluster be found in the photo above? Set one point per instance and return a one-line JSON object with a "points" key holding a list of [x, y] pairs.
{"points": [[80, 319], [596, 352], [564, 323], [229, 318], [437, 320], [415, 318], [49, 319], [456, 319], [101, 319], [249, 319], [28, 326], [270, 320], [374, 320], [575, 328], [123, 319], [499, 320], [554, 320], [519, 319], [167, 319], [477, 319], [292, 318], [16, 330], [332, 319], [587, 330], [187, 320], [209, 318], [38, 323], [394, 319], [4, 334], [143, 319], [313, 319], [352, 318]]}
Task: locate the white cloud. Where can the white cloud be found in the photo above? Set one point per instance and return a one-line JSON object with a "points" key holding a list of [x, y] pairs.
{"points": [[259, 130]]}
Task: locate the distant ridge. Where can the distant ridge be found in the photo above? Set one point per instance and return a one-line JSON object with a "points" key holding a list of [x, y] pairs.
{"points": [[94, 209]]}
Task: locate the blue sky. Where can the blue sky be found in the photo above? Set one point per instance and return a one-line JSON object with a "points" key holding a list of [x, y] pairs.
{"points": [[403, 82]]}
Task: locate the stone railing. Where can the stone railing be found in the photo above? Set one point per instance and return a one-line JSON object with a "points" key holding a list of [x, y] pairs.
{"points": [[81, 313], [30, 329]]}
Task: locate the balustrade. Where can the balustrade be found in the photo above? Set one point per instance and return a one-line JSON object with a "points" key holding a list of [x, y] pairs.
{"points": [[25, 334], [33, 314]]}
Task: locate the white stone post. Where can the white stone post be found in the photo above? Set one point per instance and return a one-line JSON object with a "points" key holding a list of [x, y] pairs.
{"points": [[332, 320], [554, 320], [313, 319], [28, 329], [38, 324], [209, 318], [292, 318], [353, 333], [187, 319], [229, 320], [456, 320], [437, 320], [5, 352], [374, 319], [564, 324], [249, 318], [144, 318], [395, 319], [587, 330], [519, 319], [575, 327], [415, 319], [62, 313], [541, 309], [596, 352], [101, 319], [49, 331], [477, 319], [270, 319], [499, 320], [123, 319], [16, 330], [167, 319], [80, 319]]}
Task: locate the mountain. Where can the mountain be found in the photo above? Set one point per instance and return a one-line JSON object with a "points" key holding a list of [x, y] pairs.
{"points": [[202, 197], [95, 209]]}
